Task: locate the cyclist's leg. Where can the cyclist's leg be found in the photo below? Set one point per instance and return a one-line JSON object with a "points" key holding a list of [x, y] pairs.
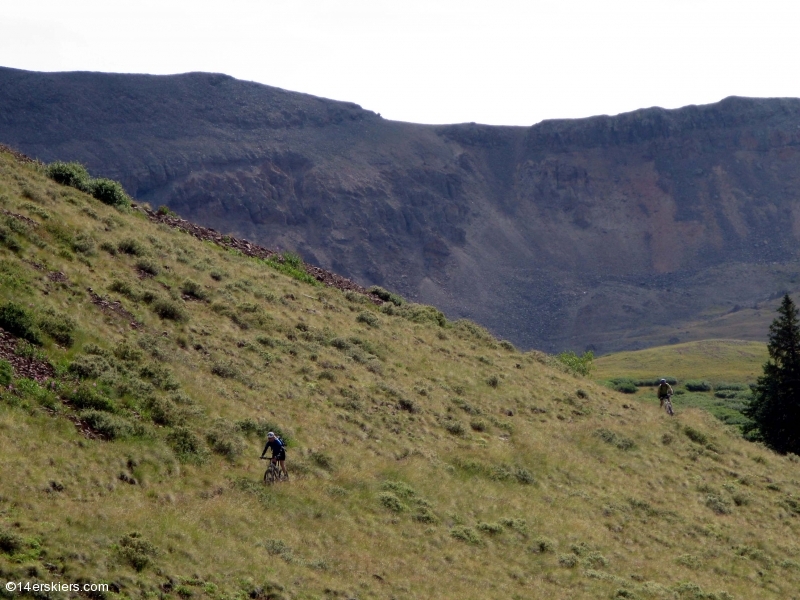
{"points": [[283, 468]]}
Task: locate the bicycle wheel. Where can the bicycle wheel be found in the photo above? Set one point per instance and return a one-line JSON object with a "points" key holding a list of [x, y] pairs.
{"points": [[270, 475], [668, 407]]}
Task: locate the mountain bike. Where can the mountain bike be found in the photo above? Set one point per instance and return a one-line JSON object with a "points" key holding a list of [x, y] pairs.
{"points": [[273, 473], [668, 405]]}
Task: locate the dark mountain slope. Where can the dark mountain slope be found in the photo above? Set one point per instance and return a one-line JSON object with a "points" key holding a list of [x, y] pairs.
{"points": [[609, 232]]}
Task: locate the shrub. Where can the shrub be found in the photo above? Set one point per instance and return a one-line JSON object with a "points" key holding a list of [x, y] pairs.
{"points": [[625, 386], [132, 247], [166, 211], [10, 542], [719, 505], [169, 310], [186, 445], [193, 290], [455, 427], [493, 381], [367, 318], [8, 240], [422, 313], [110, 192], [737, 387], [579, 365], [654, 381], [107, 425], [698, 386], [145, 265], [124, 288], [696, 436], [6, 373], [88, 366], [408, 405], [87, 397], [15, 319], [392, 502], [72, 174], [614, 439], [568, 561], [83, 244], [137, 551], [164, 412], [542, 545], [225, 370], [386, 295], [223, 439], [490, 528], [478, 425], [466, 534], [59, 327]]}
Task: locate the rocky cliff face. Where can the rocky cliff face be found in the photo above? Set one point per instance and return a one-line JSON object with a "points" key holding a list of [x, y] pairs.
{"points": [[603, 233]]}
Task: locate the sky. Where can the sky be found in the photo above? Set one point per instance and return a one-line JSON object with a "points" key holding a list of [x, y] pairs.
{"points": [[500, 62]]}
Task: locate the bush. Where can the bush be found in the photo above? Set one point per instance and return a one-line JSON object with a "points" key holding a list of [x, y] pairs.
{"points": [[132, 247], [87, 397], [72, 174], [609, 437], [224, 439], [110, 192], [137, 551], [466, 534], [166, 211], [225, 370], [186, 445], [193, 290], [386, 295], [493, 381], [654, 382], [59, 327], [6, 373], [392, 502], [579, 365], [83, 244], [698, 386], [422, 313], [107, 425], [455, 427], [10, 542], [367, 318], [164, 412], [88, 366], [625, 386], [737, 387], [148, 266], [15, 319], [169, 310]]}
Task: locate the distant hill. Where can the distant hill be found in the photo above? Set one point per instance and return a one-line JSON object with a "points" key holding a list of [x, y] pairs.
{"points": [[606, 233], [711, 360]]}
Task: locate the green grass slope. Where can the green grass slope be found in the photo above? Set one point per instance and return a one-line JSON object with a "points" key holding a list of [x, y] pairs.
{"points": [[715, 360], [428, 460]]}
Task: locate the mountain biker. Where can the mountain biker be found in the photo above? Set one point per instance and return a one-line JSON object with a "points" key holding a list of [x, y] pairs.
{"points": [[664, 391], [278, 452]]}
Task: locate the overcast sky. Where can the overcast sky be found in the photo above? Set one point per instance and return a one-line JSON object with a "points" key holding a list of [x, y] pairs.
{"points": [[490, 61]]}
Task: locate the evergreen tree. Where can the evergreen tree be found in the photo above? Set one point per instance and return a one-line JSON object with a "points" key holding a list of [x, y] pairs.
{"points": [[775, 408]]}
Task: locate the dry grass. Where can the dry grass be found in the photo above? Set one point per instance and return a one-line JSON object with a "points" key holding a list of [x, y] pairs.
{"points": [[426, 461]]}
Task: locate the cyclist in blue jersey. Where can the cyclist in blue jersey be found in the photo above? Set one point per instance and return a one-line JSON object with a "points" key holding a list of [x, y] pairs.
{"points": [[278, 452]]}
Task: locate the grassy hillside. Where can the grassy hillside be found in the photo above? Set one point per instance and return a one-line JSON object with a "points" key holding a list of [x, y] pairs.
{"points": [[428, 460], [715, 360]]}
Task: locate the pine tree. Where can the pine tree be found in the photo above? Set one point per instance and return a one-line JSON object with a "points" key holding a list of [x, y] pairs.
{"points": [[775, 408]]}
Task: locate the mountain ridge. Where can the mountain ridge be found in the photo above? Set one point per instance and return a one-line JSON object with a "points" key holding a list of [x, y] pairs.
{"points": [[566, 234]]}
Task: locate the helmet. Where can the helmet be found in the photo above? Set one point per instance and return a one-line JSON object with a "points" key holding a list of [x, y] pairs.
{"points": [[663, 381], [270, 435]]}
